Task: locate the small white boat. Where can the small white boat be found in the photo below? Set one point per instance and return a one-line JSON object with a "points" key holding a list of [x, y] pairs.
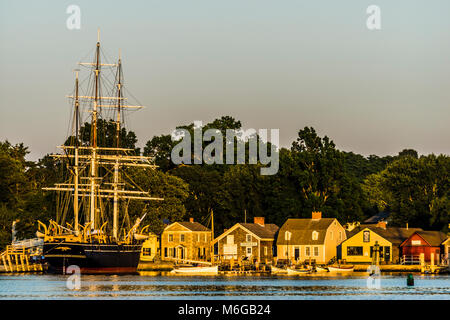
{"points": [[138, 236], [341, 268], [197, 270], [321, 269], [275, 270], [291, 271]]}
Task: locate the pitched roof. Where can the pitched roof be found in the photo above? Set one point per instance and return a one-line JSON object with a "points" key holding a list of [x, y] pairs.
{"points": [[302, 230], [434, 238], [267, 231], [382, 216], [393, 234], [194, 226]]}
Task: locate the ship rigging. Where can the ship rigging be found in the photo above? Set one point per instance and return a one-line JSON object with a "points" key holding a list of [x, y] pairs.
{"points": [[98, 185]]}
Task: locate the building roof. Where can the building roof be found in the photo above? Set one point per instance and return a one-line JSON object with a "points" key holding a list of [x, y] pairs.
{"points": [[267, 231], [302, 230], [394, 235], [433, 238], [194, 226], [382, 216]]}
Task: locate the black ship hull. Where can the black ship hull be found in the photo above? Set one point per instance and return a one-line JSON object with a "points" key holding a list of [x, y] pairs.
{"points": [[92, 258]]}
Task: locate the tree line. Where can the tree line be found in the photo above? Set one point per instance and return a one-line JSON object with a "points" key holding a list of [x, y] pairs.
{"points": [[314, 175]]}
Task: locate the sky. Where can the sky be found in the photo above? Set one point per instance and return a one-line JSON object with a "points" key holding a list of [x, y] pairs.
{"points": [[270, 64]]}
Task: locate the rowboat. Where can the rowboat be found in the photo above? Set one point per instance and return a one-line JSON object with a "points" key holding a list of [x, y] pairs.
{"points": [[297, 271], [341, 268], [321, 269], [275, 270], [196, 270]]}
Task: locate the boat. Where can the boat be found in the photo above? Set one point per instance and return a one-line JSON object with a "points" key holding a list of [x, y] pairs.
{"points": [[276, 270], [292, 271], [209, 270], [320, 269], [341, 268], [96, 189]]}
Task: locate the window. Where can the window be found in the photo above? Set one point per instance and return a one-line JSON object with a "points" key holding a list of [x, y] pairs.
{"points": [[170, 238], [307, 251], [198, 237], [265, 251], [230, 239], [416, 242], [249, 250], [248, 238], [331, 235], [206, 240], [182, 237], [287, 235], [316, 251], [354, 251], [340, 235], [147, 251], [165, 252], [315, 235]]}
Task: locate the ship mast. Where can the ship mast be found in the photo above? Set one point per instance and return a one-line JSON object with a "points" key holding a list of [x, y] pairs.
{"points": [[75, 197], [93, 178], [116, 164]]}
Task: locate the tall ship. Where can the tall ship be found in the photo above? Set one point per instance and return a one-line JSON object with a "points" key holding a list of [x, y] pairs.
{"points": [[93, 229]]}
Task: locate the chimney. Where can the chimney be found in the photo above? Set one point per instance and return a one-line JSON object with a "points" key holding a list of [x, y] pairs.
{"points": [[316, 215], [259, 220], [191, 219], [382, 224]]}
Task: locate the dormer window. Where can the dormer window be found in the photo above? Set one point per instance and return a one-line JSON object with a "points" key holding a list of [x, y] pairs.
{"points": [[315, 235], [287, 235]]}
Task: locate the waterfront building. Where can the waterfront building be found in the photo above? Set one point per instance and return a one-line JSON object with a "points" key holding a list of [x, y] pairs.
{"points": [[248, 241], [150, 248], [446, 245], [313, 240], [186, 242], [359, 247], [363, 246], [428, 243]]}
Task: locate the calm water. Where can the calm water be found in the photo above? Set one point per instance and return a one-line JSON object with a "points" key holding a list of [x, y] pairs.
{"points": [[157, 286]]}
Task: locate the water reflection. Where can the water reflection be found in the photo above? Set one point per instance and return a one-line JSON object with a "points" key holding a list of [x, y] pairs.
{"points": [[152, 285]]}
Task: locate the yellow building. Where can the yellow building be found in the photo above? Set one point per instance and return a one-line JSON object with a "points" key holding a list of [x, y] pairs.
{"points": [[315, 239], [359, 248], [186, 242], [150, 248], [446, 245]]}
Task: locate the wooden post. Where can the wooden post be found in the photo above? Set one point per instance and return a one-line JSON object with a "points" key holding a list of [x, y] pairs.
{"points": [[422, 262], [26, 261], [4, 263], [9, 262], [432, 262]]}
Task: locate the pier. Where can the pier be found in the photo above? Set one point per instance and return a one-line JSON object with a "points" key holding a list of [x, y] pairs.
{"points": [[20, 258]]}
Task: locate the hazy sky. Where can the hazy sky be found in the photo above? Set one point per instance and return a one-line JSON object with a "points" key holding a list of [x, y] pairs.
{"points": [[270, 64]]}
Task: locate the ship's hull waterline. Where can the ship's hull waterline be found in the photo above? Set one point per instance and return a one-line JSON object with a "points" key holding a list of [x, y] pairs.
{"points": [[92, 258]]}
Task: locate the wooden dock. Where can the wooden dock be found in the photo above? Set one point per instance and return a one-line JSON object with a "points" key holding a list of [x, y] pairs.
{"points": [[19, 259]]}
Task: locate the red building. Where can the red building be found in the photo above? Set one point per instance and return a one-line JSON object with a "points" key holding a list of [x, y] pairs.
{"points": [[426, 242]]}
